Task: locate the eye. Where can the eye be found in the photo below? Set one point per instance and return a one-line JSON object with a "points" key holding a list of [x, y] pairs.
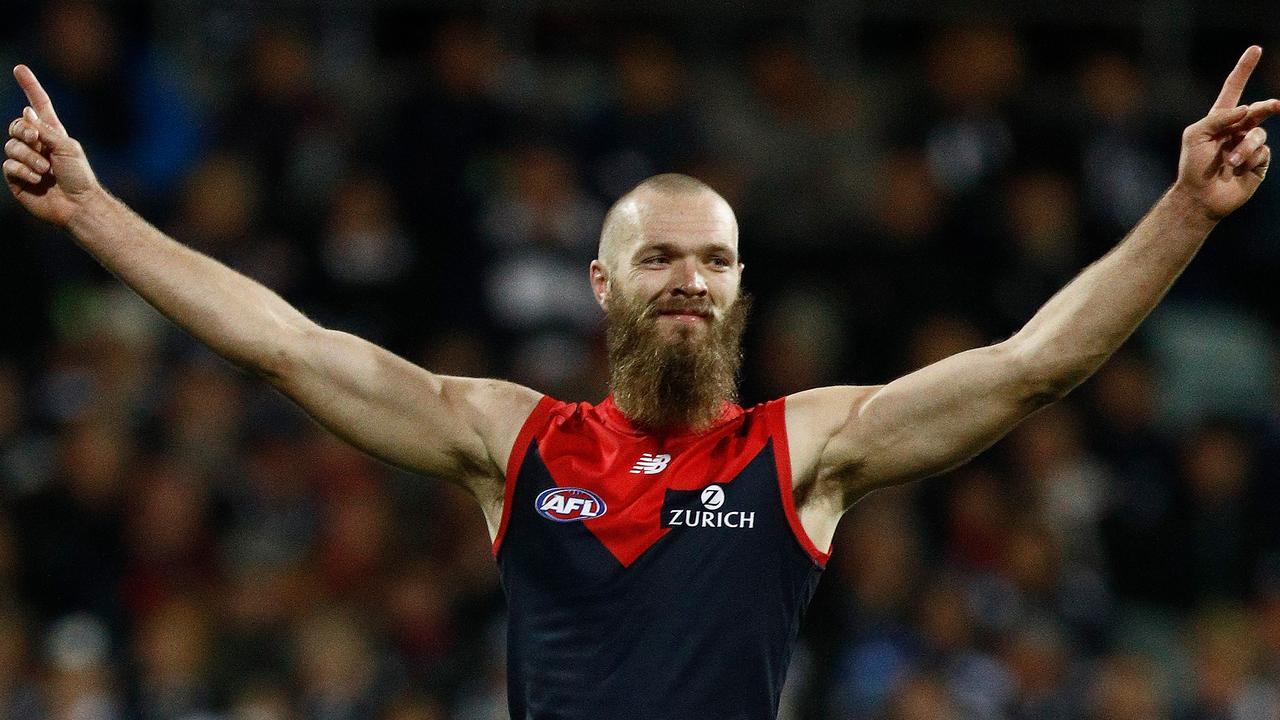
{"points": [[721, 262], [654, 260]]}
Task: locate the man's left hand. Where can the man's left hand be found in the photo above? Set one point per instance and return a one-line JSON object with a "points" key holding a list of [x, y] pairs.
{"points": [[1225, 156]]}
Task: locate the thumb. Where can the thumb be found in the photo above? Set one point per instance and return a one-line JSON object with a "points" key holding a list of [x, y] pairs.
{"points": [[54, 137], [1217, 121]]}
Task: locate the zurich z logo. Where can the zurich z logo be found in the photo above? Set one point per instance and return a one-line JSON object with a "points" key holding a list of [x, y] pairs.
{"points": [[650, 464], [713, 497], [569, 504]]}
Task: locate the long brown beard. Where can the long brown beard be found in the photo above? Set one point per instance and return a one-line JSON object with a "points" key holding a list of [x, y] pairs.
{"points": [[662, 384]]}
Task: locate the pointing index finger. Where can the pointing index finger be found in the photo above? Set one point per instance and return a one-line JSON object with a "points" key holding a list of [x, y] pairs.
{"points": [[36, 95], [1233, 88]]}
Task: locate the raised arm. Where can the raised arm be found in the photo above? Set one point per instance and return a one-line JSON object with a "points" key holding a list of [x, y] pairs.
{"points": [[457, 428], [942, 415]]}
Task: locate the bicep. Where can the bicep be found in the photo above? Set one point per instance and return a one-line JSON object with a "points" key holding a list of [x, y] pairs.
{"points": [[459, 429], [933, 419]]}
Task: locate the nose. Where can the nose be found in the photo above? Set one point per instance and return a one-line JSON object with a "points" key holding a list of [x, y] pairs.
{"points": [[690, 281]]}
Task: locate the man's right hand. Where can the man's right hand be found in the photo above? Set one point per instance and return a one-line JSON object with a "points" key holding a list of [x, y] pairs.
{"points": [[46, 168]]}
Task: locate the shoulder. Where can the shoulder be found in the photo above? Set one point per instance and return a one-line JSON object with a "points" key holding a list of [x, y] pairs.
{"points": [[558, 423], [814, 418], [496, 409], [824, 411]]}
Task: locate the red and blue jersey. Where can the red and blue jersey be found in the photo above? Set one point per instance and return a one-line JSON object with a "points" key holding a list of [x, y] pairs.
{"points": [[651, 577]]}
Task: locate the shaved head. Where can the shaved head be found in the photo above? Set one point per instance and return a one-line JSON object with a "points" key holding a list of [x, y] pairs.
{"points": [[625, 219]]}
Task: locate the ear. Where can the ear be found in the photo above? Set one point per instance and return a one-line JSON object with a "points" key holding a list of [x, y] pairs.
{"points": [[600, 283]]}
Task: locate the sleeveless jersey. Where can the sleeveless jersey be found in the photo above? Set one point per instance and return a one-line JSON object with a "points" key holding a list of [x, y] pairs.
{"points": [[651, 577]]}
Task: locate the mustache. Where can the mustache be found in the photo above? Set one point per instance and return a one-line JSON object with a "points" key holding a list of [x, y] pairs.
{"points": [[703, 308]]}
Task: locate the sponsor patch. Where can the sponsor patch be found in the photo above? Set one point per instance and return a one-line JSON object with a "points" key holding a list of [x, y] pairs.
{"points": [[680, 508]]}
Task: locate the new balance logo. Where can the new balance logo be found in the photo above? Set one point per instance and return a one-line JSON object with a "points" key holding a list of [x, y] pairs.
{"points": [[650, 464]]}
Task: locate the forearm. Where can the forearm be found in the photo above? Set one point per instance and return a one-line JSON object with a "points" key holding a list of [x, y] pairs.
{"points": [[238, 318], [1086, 321]]}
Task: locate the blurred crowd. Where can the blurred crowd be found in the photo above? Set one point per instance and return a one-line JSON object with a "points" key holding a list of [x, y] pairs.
{"points": [[177, 542]]}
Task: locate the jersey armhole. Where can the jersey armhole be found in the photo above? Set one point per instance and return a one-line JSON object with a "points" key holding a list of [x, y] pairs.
{"points": [[532, 425], [782, 458]]}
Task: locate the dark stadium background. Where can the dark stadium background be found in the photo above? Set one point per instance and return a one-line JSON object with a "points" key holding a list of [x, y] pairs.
{"points": [[911, 178]]}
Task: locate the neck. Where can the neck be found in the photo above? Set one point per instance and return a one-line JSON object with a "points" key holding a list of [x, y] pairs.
{"points": [[651, 415]]}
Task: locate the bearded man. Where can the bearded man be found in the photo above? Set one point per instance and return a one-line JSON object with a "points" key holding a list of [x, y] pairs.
{"points": [[658, 549]]}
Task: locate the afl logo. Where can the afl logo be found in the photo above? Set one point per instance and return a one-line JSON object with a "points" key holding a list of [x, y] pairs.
{"points": [[569, 504], [713, 497]]}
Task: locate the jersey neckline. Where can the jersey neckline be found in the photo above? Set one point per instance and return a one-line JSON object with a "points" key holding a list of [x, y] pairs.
{"points": [[617, 420]]}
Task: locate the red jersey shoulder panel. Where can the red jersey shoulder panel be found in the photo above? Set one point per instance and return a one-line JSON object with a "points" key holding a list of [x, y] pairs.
{"points": [[777, 412], [533, 425]]}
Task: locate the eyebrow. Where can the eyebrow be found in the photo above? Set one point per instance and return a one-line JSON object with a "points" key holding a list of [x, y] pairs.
{"points": [[666, 247]]}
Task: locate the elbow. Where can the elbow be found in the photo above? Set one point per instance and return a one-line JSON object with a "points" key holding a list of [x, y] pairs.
{"points": [[273, 365], [1044, 374], [1048, 392], [283, 355]]}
